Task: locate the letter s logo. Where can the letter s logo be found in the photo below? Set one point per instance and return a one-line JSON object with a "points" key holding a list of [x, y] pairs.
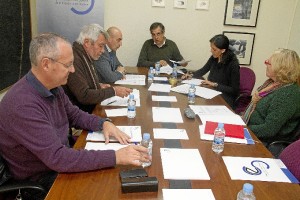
{"points": [[256, 170], [85, 11]]}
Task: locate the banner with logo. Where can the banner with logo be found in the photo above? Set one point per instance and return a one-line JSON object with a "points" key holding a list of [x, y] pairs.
{"points": [[67, 17]]}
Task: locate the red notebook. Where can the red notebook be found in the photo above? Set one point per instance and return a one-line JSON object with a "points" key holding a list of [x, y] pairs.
{"points": [[232, 130]]}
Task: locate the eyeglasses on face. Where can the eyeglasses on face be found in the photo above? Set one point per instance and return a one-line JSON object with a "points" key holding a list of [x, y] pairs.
{"points": [[65, 65], [267, 62]]}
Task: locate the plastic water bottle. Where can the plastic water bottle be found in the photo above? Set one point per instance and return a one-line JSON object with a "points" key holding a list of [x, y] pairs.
{"points": [[150, 74], [246, 193], [157, 68], [218, 142], [131, 111], [191, 94], [174, 72], [147, 142]]}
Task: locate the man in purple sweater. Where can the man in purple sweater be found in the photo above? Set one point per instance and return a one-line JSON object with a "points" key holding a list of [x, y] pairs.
{"points": [[35, 118]]}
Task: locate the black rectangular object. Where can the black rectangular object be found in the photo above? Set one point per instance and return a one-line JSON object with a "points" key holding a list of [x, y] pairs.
{"points": [[133, 173], [143, 184]]}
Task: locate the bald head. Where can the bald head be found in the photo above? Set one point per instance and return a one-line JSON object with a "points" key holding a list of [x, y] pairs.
{"points": [[115, 38]]}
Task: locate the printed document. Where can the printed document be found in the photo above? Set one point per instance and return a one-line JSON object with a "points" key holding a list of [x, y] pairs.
{"points": [[203, 92], [102, 146], [257, 169], [119, 101], [194, 81], [183, 164], [132, 79], [164, 98], [116, 112], [134, 132], [190, 194], [157, 87]]}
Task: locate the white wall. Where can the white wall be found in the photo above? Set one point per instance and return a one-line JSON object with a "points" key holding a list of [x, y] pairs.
{"points": [[277, 26]]}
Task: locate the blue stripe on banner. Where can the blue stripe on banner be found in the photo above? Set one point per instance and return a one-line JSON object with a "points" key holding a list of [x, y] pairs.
{"points": [[248, 137], [289, 175]]}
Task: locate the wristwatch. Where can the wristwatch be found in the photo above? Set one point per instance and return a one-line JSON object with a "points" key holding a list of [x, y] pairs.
{"points": [[215, 85]]}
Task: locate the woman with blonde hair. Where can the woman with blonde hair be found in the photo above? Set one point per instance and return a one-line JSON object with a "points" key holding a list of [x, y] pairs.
{"points": [[274, 111]]}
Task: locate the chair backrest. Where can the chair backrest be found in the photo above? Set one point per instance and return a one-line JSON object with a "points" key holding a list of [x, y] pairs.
{"points": [[4, 173], [247, 80]]}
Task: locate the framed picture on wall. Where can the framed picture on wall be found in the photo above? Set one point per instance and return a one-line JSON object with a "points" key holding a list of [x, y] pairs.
{"points": [[241, 12], [158, 3], [242, 45]]}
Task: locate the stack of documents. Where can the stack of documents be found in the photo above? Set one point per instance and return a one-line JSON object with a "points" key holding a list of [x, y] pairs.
{"points": [[132, 79], [97, 139]]}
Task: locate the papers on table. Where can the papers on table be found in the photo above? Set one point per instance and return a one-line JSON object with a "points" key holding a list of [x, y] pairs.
{"points": [[103, 146], [200, 91], [190, 194], [211, 110], [183, 164], [181, 61], [158, 78], [227, 119], [258, 169], [157, 87], [164, 98], [194, 81], [247, 137], [118, 112], [133, 131], [164, 133], [119, 101], [162, 114], [132, 79], [166, 69]]}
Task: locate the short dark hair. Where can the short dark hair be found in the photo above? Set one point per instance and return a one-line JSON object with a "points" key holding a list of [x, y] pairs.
{"points": [[157, 24], [220, 41]]}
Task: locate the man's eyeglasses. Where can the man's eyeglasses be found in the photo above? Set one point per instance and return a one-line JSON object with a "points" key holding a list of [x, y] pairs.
{"points": [[267, 62], [65, 65]]}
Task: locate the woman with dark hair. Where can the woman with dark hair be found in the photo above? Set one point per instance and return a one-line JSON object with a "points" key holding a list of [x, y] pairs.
{"points": [[224, 69]]}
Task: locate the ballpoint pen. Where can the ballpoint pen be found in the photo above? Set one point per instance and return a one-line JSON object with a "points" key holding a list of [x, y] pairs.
{"points": [[111, 102]]}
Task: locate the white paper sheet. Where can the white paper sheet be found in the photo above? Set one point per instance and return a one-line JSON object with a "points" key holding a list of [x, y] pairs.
{"points": [[133, 131], [188, 194], [251, 168], [164, 133], [211, 110], [161, 114], [166, 69], [206, 93], [227, 119], [132, 79], [157, 87], [103, 146], [164, 98], [183, 164], [194, 81], [119, 101], [162, 78], [116, 112]]}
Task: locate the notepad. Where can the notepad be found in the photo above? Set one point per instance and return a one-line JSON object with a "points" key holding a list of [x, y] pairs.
{"points": [[232, 130]]}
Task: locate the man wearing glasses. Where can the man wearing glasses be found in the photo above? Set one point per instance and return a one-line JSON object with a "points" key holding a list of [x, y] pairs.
{"points": [[84, 87], [159, 49], [35, 117]]}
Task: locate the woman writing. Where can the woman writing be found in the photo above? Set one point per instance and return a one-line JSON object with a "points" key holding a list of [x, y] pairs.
{"points": [[223, 68]]}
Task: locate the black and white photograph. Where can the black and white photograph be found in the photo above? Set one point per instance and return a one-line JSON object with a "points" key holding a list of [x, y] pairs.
{"points": [[241, 12], [158, 3], [242, 45]]}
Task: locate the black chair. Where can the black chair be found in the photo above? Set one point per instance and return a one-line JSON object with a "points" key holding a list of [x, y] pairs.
{"points": [[8, 184], [277, 147]]}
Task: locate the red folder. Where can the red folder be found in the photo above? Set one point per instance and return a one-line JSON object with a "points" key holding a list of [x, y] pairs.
{"points": [[231, 130]]}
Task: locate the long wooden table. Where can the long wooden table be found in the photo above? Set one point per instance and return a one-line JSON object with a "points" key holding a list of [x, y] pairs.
{"points": [[105, 183]]}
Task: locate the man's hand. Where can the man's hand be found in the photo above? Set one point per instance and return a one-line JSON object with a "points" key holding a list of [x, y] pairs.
{"points": [[122, 91], [109, 129], [103, 85], [121, 69], [132, 155], [163, 63]]}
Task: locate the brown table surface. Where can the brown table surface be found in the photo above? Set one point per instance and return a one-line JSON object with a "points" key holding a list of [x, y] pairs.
{"points": [[105, 183]]}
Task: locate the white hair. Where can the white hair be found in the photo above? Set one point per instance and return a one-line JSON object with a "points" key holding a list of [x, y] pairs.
{"points": [[91, 32]]}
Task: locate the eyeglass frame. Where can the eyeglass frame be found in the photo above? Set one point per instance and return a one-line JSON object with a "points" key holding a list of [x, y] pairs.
{"points": [[65, 65]]}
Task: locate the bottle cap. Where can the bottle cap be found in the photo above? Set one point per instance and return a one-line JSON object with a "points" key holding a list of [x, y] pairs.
{"points": [[248, 188], [131, 96], [220, 125], [146, 136], [192, 85]]}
